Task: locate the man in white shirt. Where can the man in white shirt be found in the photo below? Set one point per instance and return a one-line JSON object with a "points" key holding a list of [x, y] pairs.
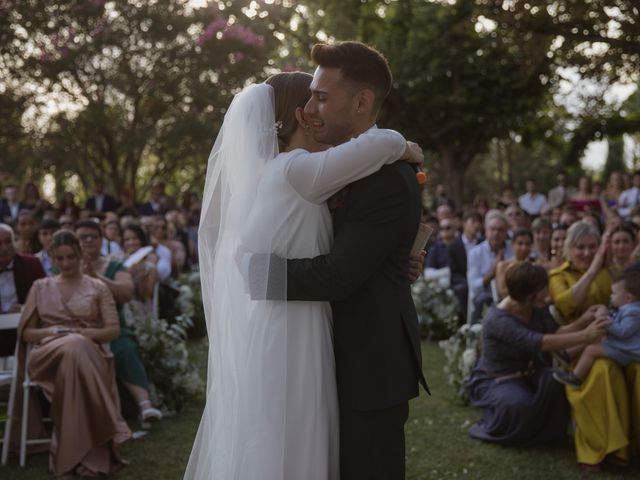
{"points": [[630, 198], [483, 259], [560, 194], [532, 202]]}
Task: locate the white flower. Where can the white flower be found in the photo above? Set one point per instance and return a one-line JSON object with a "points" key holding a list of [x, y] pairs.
{"points": [[468, 358], [476, 328]]}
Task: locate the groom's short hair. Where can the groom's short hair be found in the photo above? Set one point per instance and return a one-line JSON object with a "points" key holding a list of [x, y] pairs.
{"points": [[358, 63]]}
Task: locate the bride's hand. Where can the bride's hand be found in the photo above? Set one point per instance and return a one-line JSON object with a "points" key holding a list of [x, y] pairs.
{"points": [[413, 154]]}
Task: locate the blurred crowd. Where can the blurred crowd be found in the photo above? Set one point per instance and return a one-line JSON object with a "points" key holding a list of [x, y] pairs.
{"points": [[472, 248], [167, 224]]}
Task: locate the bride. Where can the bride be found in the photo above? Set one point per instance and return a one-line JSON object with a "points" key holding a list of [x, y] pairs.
{"points": [[271, 406]]}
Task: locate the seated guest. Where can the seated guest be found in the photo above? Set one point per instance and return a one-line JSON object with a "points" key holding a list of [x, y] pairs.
{"points": [[483, 260], [130, 371], [68, 207], [158, 202], [516, 217], [558, 236], [623, 240], [568, 217], [615, 187], [532, 202], [45, 233], [144, 272], [521, 247], [600, 408], [127, 202], [171, 255], [437, 256], [584, 200], [109, 245], [582, 280], [628, 199], [507, 197], [69, 320], [521, 403], [481, 204], [541, 248], [27, 233], [113, 231], [562, 192], [31, 200], [10, 206], [101, 201], [458, 252], [17, 274]]}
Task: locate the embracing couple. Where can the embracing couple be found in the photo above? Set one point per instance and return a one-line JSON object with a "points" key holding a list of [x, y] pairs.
{"points": [[307, 202]]}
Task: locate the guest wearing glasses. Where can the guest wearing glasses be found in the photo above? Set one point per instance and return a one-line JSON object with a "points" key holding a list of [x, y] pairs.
{"points": [[130, 371]]}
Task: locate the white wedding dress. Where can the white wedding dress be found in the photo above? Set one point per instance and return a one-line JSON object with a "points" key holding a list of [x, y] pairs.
{"points": [[272, 408]]}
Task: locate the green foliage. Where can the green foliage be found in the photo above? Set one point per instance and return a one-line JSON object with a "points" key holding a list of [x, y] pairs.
{"points": [[131, 79], [456, 85]]}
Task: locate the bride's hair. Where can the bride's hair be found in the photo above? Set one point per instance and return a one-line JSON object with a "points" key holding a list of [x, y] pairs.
{"points": [[291, 90]]}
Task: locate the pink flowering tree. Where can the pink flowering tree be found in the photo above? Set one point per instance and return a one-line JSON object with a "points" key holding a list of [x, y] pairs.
{"points": [[127, 90]]}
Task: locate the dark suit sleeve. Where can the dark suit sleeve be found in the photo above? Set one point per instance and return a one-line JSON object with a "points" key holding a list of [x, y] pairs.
{"points": [[457, 256], [375, 225]]}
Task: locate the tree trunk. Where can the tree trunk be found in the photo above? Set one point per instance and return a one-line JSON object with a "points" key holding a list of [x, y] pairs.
{"points": [[454, 179]]}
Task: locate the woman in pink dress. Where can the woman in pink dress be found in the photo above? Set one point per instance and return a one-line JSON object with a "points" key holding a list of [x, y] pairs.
{"points": [[68, 321]]}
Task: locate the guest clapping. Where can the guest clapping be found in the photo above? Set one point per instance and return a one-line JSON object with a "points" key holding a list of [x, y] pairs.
{"points": [[583, 280]]}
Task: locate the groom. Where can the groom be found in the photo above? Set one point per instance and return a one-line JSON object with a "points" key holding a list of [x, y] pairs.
{"points": [[376, 339]]}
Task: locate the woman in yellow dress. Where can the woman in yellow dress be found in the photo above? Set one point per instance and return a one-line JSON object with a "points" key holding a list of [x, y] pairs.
{"points": [[601, 407]]}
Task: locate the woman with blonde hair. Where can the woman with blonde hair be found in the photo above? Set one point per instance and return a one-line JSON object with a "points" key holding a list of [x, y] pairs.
{"points": [[601, 407]]}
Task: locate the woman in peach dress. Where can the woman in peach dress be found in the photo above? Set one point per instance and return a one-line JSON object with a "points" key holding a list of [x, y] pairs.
{"points": [[68, 320]]}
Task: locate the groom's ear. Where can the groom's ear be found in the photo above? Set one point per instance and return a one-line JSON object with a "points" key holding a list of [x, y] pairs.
{"points": [[365, 101]]}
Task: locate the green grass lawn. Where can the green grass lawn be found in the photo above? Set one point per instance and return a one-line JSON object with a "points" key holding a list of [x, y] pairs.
{"points": [[437, 445]]}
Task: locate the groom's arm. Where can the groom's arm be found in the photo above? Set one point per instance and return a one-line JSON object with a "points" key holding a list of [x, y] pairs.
{"points": [[379, 206]]}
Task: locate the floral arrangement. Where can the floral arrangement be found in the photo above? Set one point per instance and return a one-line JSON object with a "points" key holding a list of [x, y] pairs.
{"points": [[163, 347], [462, 350], [189, 302], [437, 308]]}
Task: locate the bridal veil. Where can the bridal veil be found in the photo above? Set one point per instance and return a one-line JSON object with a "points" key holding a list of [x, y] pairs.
{"points": [[244, 421]]}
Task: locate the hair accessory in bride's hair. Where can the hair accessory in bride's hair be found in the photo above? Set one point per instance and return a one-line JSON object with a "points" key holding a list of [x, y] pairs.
{"points": [[278, 126]]}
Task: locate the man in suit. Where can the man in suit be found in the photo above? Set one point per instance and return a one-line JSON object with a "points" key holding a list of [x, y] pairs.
{"points": [[158, 202], [10, 206], [101, 201], [17, 274], [376, 337], [458, 251]]}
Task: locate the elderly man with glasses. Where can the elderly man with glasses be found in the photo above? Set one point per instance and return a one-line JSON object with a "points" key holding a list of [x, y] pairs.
{"points": [[17, 274]]}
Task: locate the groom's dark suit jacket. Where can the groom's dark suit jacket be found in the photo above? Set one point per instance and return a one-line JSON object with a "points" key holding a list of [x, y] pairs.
{"points": [[377, 342]]}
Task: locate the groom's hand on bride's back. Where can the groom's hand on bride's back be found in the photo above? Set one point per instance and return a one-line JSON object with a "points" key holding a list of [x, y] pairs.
{"points": [[413, 154], [416, 263]]}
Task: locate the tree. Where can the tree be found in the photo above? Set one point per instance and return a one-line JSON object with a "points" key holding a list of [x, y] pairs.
{"points": [[458, 83], [133, 83], [598, 39]]}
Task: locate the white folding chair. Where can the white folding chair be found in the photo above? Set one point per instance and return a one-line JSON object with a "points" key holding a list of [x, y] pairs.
{"points": [[7, 322], [27, 385], [8, 376]]}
